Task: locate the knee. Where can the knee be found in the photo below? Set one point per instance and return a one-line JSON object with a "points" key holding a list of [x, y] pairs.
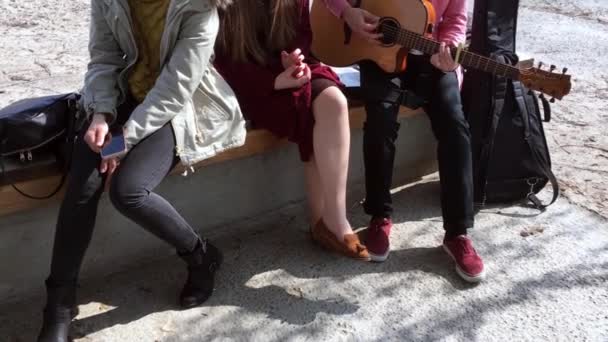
{"points": [[81, 191], [381, 119], [331, 101], [126, 195], [454, 127]]}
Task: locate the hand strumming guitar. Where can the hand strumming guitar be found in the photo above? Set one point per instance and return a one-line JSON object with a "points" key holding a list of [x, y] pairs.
{"points": [[362, 23]]}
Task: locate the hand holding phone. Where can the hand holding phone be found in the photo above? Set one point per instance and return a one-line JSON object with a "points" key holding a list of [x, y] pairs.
{"points": [[97, 132], [115, 148]]}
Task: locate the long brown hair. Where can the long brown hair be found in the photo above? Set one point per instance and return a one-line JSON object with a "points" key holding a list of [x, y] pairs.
{"points": [[220, 3], [251, 29]]}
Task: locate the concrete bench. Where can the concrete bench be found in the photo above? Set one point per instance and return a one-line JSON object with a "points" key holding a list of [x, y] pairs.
{"points": [[44, 176], [261, 177]]}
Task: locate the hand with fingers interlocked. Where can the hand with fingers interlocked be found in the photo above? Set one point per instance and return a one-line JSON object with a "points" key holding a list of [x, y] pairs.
{"points": [[297, 73]]}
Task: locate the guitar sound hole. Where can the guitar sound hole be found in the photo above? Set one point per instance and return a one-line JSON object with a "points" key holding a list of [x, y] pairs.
{"points": [[389, 28]]}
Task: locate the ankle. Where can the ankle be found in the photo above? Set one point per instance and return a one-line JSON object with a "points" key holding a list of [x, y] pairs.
{"points": [[198, 244], [340, 230], [338, 226], [450, 235]]}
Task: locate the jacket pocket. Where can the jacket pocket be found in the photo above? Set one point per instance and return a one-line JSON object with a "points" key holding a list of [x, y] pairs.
{"points": [[207, 107], [210, 119]]}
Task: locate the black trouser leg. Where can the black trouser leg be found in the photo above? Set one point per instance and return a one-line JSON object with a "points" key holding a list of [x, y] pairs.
{"points": [[139, 173], [379, 134], [449, 127], [77, 215], [72, 236], [453, 152], [78, 211]]}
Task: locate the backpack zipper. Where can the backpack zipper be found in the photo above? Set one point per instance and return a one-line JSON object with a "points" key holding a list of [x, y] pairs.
{"points": [[23, 151]]}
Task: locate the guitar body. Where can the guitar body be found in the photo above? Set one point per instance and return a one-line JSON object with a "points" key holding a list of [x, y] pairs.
{"points": [[335, 44]]}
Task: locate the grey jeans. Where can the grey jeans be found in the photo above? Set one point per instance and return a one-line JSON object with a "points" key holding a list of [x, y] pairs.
{"points": [[131, 193]]}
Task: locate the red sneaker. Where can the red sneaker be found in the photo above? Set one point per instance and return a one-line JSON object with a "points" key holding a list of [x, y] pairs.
{"points": [[468, 263], [377, 241]]}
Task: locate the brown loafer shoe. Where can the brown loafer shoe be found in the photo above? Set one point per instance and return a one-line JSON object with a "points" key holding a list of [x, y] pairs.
{"points": [[350, 247]]}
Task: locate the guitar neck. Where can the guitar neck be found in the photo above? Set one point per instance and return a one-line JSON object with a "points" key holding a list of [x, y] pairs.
{"points": [[468, 59]]}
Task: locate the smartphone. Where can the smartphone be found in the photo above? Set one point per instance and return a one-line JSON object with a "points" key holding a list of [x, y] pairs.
{"points": [[116, 148]]}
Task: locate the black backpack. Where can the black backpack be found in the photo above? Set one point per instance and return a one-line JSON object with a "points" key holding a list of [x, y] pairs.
{"points": [[35, 132], [511, 160]]}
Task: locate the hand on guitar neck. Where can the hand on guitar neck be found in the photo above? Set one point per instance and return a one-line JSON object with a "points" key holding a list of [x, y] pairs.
{"points": [[443, 59], [405, 25]]}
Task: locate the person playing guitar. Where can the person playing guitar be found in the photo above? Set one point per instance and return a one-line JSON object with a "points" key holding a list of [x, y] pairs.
{"points": [[437, 80]]}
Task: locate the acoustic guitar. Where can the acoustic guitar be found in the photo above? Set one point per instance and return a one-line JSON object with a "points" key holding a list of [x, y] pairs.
{"points": [[407, 25]]}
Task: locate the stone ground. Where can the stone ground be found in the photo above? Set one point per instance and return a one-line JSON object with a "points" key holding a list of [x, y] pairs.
{"points": [[548, 273], [547, 282], [573, 34]]}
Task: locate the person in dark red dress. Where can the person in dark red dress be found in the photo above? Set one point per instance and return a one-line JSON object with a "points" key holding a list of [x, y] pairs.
{"points": [[263, 52]]}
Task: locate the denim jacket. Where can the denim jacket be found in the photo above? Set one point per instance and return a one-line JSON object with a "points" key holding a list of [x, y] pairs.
{"points": [[189, 93]]}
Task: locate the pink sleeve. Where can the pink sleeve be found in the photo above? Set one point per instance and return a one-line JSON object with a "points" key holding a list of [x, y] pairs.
{"points": [[453, 26], [336, 7]]}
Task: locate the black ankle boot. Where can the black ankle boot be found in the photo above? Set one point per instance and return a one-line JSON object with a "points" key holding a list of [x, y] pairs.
{"points": [[58, 314], [202, 264]]}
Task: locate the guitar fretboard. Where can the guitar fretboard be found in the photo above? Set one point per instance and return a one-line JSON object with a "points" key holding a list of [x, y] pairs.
{"points": [[468, 59]]}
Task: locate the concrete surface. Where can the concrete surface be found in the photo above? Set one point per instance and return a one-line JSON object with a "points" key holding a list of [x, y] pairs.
{"points": [[548, 277], [211, 199]]}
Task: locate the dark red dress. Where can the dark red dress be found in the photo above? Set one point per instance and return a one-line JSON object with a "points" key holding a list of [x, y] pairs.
{"points": [[287, 112]]}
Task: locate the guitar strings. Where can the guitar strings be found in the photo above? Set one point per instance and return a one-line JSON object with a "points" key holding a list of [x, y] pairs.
{"points": [[404, 37]]}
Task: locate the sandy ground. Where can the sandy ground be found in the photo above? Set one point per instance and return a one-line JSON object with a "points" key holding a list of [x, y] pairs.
{"points": [[574, 35], [549, 273]]}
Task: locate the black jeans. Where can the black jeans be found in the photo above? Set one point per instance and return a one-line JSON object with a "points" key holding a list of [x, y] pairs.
{"points": [[449, 126], [141, 170]]}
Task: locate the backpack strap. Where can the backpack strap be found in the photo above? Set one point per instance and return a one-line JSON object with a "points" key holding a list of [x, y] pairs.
{"points": [[552, 179], [499, 94], [53, 193], [546, 108], [534, 148]]}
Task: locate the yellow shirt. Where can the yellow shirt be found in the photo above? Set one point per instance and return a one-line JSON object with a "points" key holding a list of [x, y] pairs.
{"points": [[148, 17]]}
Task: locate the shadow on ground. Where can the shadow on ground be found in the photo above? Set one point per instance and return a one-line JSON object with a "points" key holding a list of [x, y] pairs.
{"points": [[273, 271]]}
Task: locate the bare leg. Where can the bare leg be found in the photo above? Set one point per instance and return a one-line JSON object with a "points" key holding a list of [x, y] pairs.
{"points": [[314, 190], [331, 143]]}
